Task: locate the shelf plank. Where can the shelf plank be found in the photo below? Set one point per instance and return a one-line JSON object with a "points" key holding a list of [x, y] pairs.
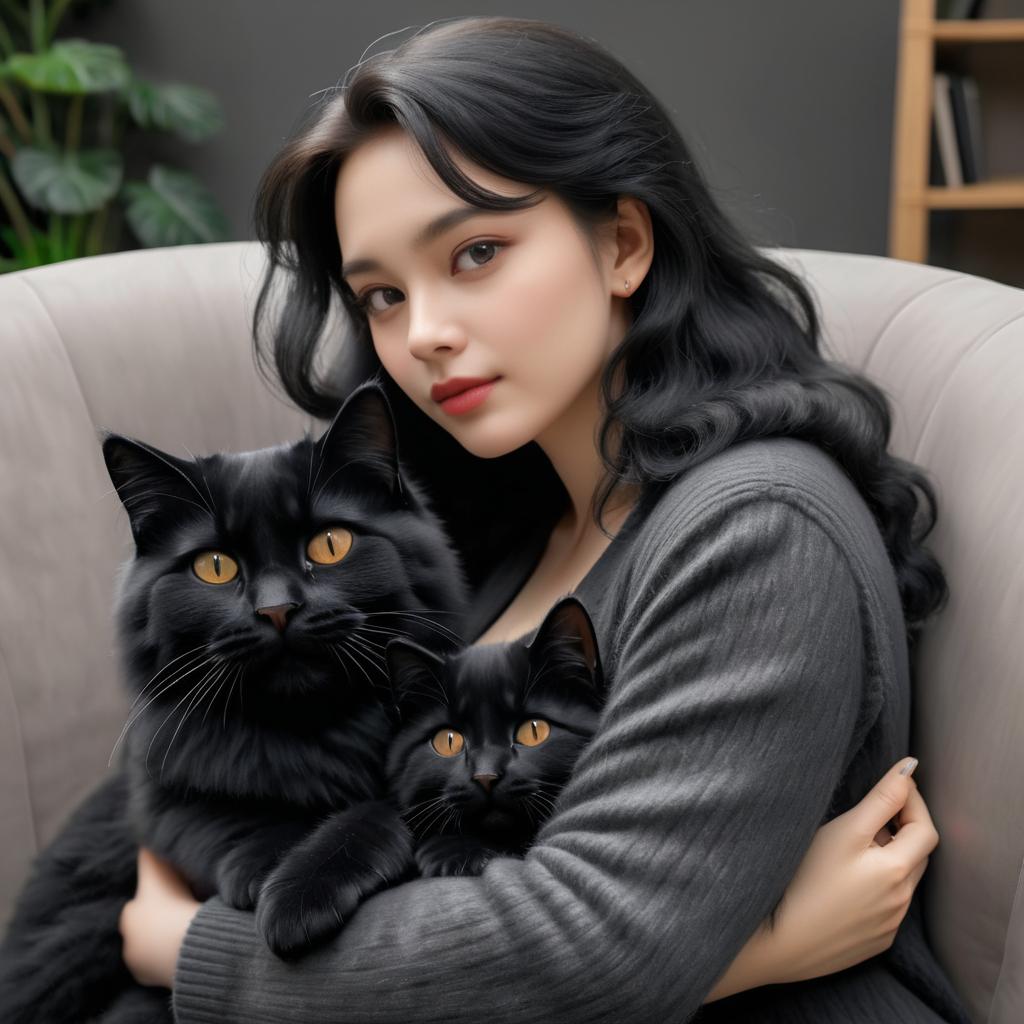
{"points": [[999, 193], [996, 30]]}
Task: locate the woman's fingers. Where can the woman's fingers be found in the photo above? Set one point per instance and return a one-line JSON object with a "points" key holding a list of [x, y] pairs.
{"points": [[885, 801], [917, 836]]}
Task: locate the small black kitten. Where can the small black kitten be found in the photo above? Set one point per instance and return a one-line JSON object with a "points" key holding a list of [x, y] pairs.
{"points": [[252, 625], [488, 737]]}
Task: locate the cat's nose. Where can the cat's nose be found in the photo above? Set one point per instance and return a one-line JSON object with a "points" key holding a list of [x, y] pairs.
{"points": [[278, 614], [486, 779]]}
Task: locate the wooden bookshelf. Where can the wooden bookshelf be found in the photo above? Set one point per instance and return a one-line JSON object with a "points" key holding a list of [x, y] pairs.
{"points": [[912, 197]]}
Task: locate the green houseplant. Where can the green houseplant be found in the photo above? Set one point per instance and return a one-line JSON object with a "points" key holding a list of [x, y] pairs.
{"points": [[67, 107]]}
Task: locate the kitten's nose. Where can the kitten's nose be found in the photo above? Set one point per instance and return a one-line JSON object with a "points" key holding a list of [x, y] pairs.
{"points": [[278, 614], [486, 779]]}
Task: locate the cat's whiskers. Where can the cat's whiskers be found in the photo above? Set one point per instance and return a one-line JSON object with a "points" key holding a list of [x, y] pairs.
{"points": [[391, 633], [133, 717], [542, 796], [546, 803], [195, 702], [453, 812], [167, 717], [443, 630], [338, 648], [366, 640], [165, 667], [426, 823], [375, 657], [242, 666], [426, 810], [213, 699]]}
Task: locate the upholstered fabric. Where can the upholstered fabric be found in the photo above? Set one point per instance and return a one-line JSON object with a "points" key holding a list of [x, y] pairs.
{"points": [[156, 344]]}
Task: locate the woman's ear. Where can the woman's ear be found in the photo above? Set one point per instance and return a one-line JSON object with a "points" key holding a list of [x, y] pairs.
{"points": [[633, 251]]}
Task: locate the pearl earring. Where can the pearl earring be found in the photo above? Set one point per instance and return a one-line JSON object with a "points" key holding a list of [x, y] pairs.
{"points": [[627, 285]]}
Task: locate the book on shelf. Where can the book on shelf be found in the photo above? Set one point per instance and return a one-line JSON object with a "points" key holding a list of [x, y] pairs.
{"points": [[944, 129], [956, 124], [958, 10], [963, 92]]}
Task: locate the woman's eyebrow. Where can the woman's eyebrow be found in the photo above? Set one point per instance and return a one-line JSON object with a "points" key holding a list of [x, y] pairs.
{"points": [[436, 227]]}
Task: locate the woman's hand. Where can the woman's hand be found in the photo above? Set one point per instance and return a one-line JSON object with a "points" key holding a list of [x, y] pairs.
{"points": [[850, 893], [153, 924]]}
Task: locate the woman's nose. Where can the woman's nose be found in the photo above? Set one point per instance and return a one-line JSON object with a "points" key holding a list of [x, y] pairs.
{"points": [[433, 329]]}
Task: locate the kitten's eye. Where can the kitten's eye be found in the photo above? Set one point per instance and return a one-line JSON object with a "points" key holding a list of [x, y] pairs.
{"points": [[215, 567], [447, 742], [329, 546], [533, 732]]}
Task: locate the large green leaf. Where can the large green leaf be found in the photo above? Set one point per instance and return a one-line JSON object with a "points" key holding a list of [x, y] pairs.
{"points": [[173, 208], [67, 182], [190, 112], [71, 67]]}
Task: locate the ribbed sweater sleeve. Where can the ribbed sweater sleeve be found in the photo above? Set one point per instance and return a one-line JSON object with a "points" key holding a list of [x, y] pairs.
{"points": [[739, 676]]}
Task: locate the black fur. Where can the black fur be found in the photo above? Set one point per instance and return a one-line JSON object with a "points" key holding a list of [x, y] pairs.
{"points": [[250, 729], [490, 798]]}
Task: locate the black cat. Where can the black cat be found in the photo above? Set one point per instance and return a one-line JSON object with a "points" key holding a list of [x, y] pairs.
{"points": [[488, 737], [252, 625]]}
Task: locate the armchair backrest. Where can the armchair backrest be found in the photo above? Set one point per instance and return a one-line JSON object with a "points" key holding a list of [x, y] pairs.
{"points": [[156, 344], [948, 349]]}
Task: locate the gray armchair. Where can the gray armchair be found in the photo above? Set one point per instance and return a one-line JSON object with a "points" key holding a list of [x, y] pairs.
{"points": [[155, 343]]}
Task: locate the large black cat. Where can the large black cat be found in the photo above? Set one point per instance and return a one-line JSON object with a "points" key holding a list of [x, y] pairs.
{"points": [[252, 625], [488, 737]]}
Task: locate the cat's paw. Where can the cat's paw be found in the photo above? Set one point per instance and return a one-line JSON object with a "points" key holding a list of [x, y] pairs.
{"points": [[239, 879], [319, 884], [297, 910], [443, 856]]}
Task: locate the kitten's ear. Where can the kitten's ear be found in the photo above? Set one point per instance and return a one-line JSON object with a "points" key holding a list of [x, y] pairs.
{"points": [[566, 639], [156, 489], [417, 678], [362, 439]]}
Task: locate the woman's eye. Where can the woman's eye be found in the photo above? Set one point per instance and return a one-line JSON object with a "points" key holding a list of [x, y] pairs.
{"points": [[478, 254], [475, 250], [447, 742], [215, 567], [329, 546], [366, 304], [533, 732]]}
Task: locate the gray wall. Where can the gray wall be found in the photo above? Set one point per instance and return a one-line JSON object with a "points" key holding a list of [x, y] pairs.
{"points": [[786, 105]]}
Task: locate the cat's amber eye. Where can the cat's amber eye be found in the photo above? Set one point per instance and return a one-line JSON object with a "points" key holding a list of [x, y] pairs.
{"points": [[329, 546], [533, 732], [447, 742], [215, 567]]}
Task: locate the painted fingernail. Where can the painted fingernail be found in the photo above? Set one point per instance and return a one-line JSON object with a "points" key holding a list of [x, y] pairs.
{"points": [[908, 768]]}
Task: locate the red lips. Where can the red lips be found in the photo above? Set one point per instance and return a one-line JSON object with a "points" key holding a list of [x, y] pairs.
{"points": [[456, 385]]}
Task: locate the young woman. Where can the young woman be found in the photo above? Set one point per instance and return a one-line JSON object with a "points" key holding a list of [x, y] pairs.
{"points": [[652, 427]]}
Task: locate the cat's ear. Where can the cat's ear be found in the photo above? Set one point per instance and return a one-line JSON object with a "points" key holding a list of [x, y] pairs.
{"points": [[156, 489], [362, 439], [417, 678], [566, 640]]}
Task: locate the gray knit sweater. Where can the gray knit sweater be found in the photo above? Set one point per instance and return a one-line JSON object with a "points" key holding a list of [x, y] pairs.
{"points": [[753, 640]]}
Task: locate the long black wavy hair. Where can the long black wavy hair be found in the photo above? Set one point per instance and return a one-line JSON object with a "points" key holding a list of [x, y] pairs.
{"points": [[724, 341]]}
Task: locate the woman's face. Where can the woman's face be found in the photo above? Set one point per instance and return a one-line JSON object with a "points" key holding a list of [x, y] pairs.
{"points": [[517, 296]]}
